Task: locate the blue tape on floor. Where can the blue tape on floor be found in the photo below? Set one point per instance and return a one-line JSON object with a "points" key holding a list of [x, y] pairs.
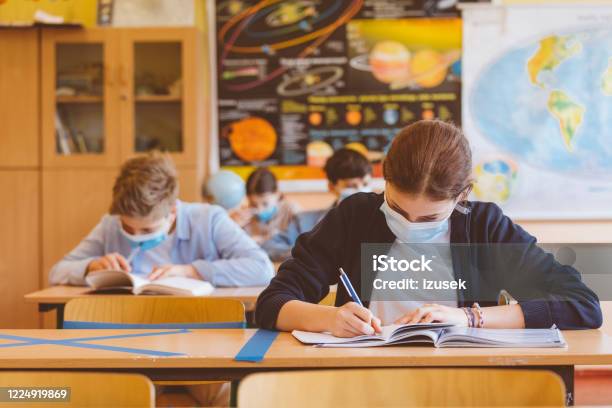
{"points": [[72, 324], [78, 343], [256, 348]]}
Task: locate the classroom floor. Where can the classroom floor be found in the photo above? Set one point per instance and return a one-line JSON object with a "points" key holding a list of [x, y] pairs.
{"points": [[593, 387]]}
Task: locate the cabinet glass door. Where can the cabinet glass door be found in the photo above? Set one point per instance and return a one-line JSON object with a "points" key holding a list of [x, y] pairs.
{"points": [[158, 96], [79, 96]]}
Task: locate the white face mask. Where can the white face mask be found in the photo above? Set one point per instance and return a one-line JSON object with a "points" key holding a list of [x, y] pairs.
{"points": [[349, 191], [413, 232]]}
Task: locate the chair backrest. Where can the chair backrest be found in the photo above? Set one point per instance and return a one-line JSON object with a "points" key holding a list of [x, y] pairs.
{"points": [[143, 310], [418, 387], [85, 389], [329, 300]]}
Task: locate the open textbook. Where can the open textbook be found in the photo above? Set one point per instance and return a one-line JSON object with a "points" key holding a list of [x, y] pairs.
{"points": [[440, 335], [174, 285]]}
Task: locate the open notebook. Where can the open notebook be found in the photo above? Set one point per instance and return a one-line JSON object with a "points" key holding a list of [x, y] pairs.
{"points": [[175, 285], [440, 335]]}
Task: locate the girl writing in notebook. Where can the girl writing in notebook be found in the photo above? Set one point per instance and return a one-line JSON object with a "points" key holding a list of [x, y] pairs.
{"points": [[428, 178]]}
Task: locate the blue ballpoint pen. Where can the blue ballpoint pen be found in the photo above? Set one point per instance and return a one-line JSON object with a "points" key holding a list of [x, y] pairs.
{"points": [[349, 287], [351, 290]]}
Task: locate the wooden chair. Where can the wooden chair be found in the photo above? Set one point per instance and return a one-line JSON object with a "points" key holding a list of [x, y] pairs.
{"points": [[159, 310], [142, 310], [86, 389], [153, 310], [405, 387], [329, 300]]}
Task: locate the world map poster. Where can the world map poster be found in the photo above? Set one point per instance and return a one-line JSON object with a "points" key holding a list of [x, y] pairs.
{"points": [[297, 80], [537, 108]]}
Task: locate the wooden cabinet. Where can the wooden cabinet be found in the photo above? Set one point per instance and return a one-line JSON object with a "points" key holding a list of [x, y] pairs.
{"points": [[74, 105], [19, 103], [108, 94], [20, 244], [19, 247]]}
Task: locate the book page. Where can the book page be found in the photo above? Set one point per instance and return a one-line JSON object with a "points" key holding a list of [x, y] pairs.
{"points": [[175, 285], [465, 336], [327, 338], [138, 282], [108, 279], [389, 333]]}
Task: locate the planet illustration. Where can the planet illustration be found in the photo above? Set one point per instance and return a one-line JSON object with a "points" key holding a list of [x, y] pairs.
{"points": [[392, 63], [270, 27], [428, 114], [233, 7], [389, 61], [391, 116], [317, 153], [290, 12], [428, 68], [315, 118], [312, 80], [353, 117], [252, 139], [495, 179]]}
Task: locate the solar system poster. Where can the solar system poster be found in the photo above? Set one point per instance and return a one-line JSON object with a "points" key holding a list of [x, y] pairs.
{"points": [[299, 79]]}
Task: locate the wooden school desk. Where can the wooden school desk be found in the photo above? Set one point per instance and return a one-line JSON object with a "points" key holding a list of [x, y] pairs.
{"points": [[209, 354], [56, 297]]}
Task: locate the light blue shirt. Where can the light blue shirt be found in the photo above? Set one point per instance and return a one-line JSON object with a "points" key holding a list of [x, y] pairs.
{"points": [[204, 237], [279, 246]]}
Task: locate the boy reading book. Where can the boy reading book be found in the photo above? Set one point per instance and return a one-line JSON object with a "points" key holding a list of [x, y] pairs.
{"points": [[152, 234]]}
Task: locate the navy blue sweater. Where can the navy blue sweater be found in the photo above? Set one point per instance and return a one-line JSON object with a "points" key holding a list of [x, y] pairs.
{"points": [[548, 292]]}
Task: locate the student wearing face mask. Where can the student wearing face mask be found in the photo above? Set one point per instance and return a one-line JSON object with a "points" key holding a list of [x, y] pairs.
{"points": [[348, 172], [268, 211], [152, 233], [428, 178]]}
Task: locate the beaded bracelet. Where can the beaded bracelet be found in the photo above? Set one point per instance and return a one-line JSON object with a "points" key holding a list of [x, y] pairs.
{"points": [[478, 311], [470, 316]]}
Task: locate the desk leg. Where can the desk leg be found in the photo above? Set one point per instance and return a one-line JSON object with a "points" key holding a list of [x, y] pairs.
{"points": [[48, 307], [250, 320], [59, 318], [234, 393], [567, 375]]}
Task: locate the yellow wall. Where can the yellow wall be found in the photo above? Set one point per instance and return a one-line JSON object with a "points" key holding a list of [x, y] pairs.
{"points": [[21, 12]]}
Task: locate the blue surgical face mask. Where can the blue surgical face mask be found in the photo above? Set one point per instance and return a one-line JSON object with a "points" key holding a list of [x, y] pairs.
{"points": [[267, 214], [151, 240], [413, 232], [349, 191]]}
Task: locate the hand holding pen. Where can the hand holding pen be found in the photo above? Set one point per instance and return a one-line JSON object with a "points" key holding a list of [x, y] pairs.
{"points": [[353, 319]]}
